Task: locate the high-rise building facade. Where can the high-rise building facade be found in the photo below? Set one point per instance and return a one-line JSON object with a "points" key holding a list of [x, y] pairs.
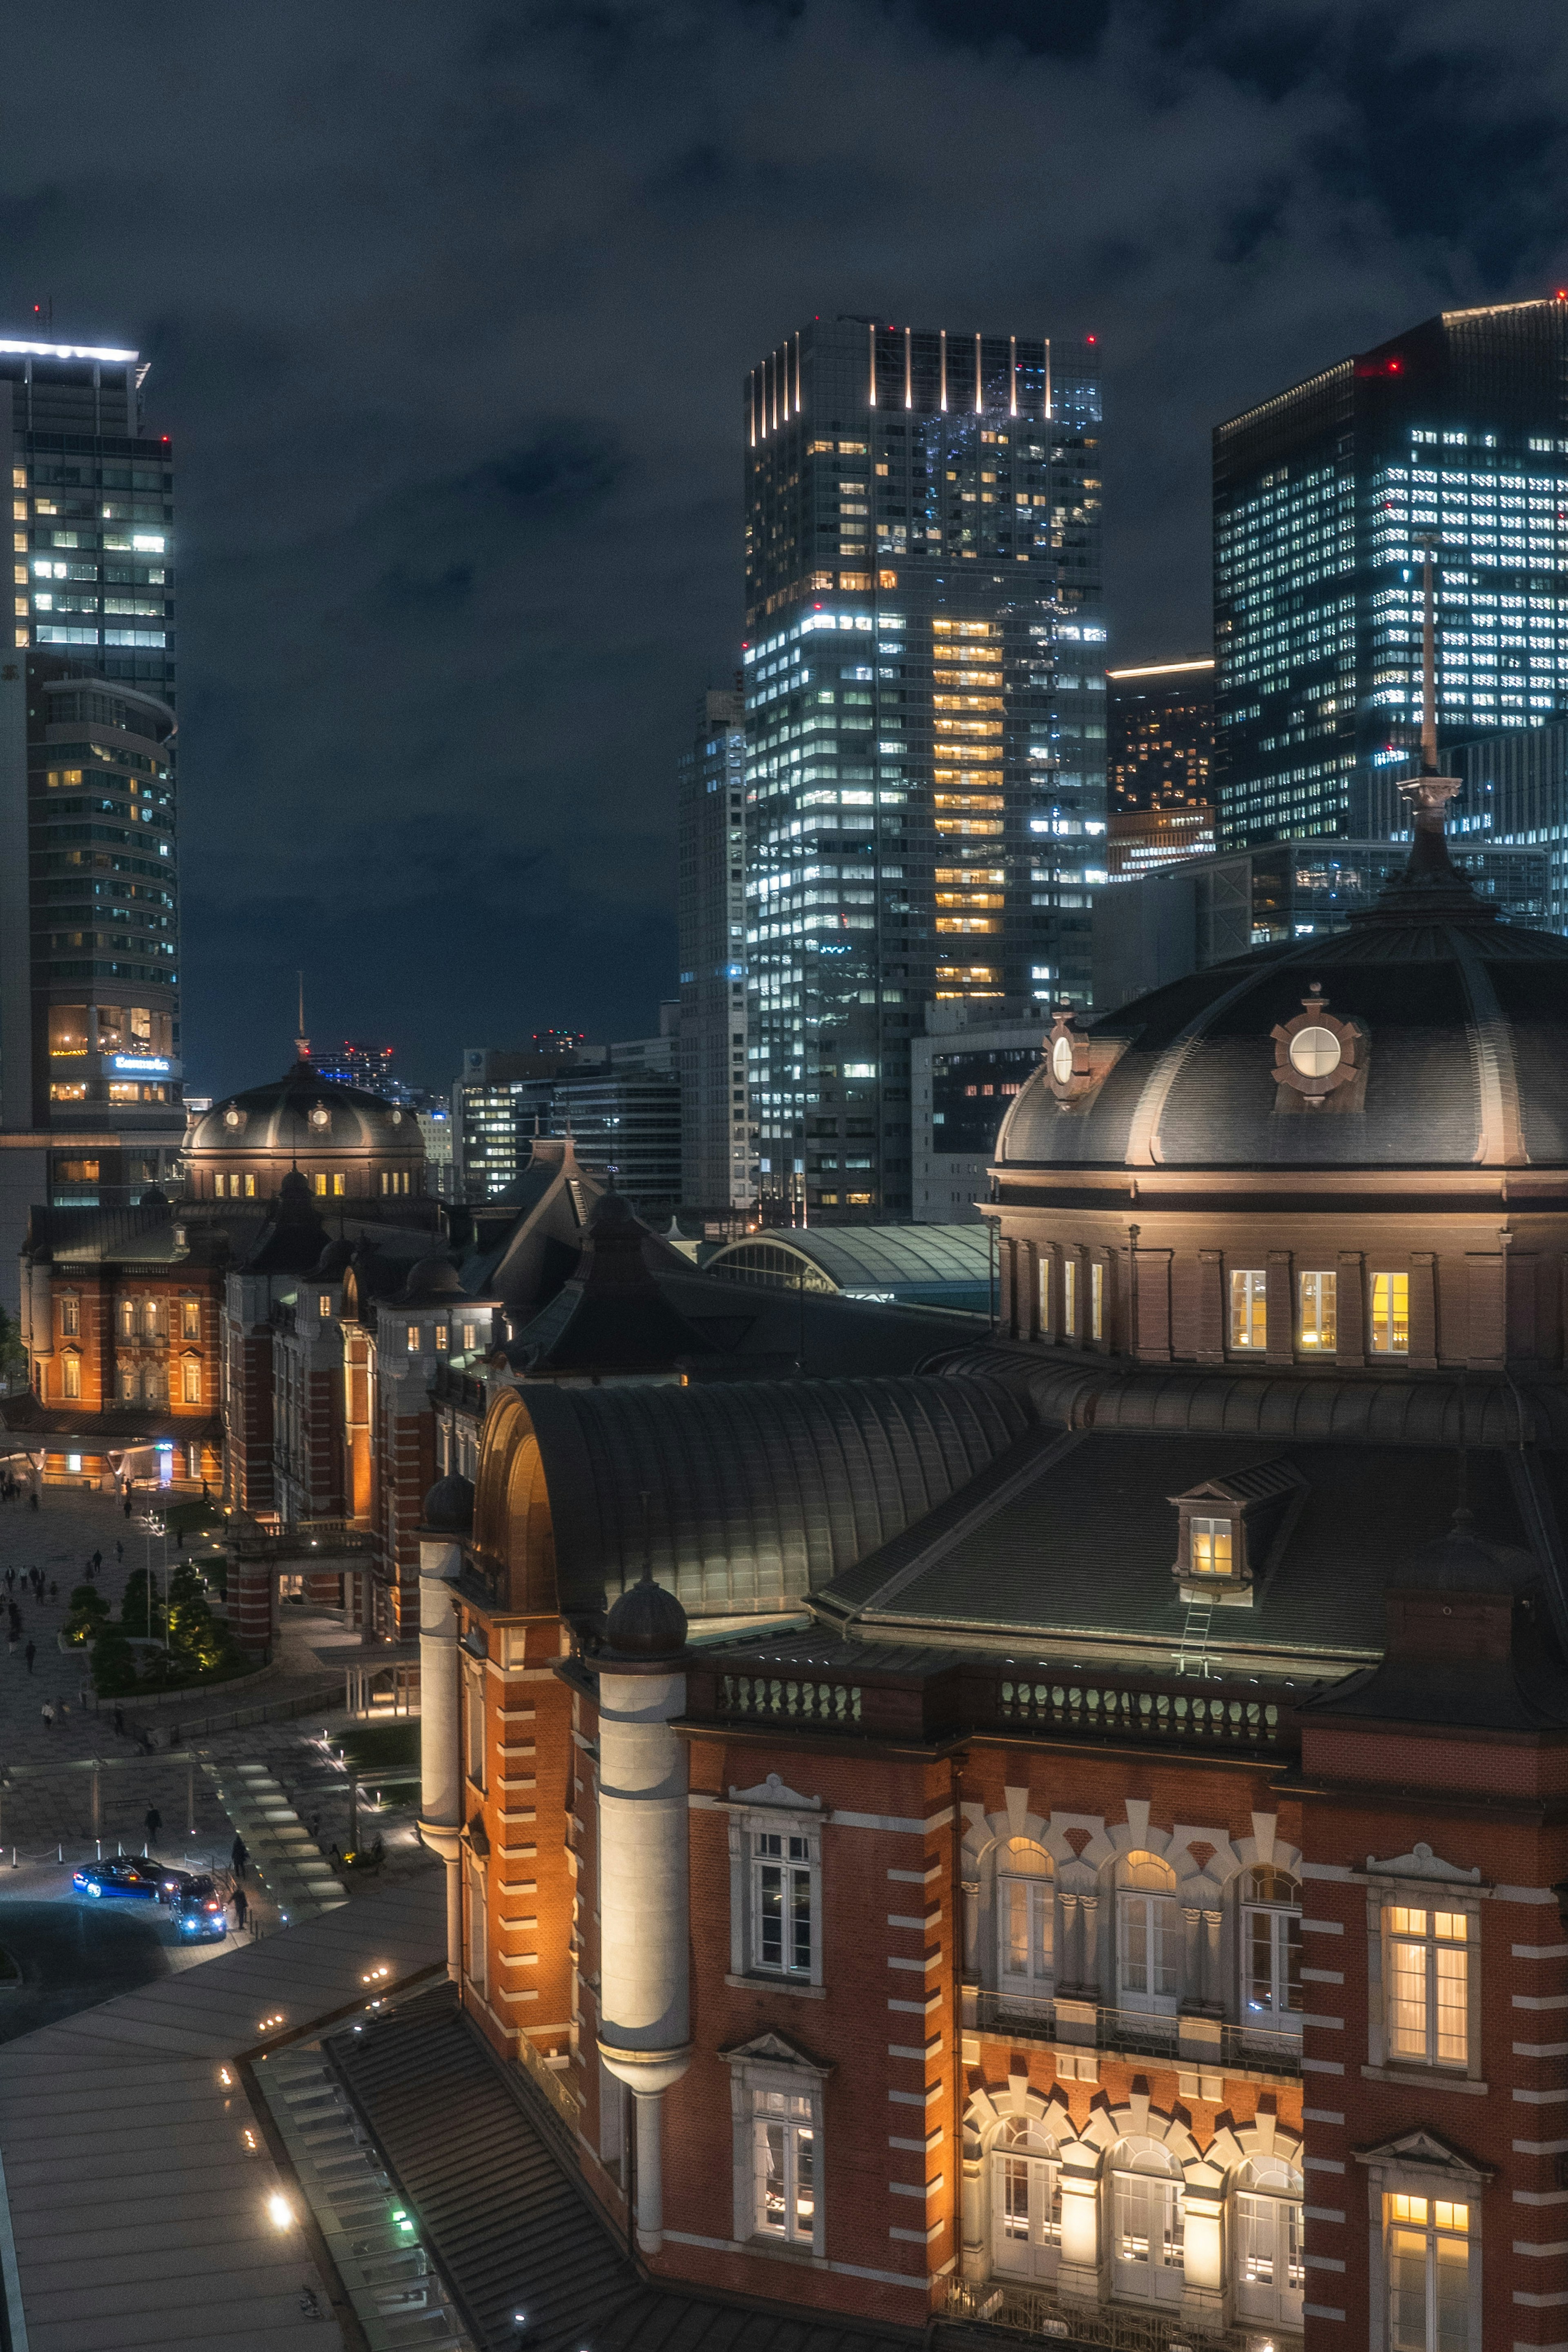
{"points": [[1323, 496], [89, 1010], [925, 716], [1159, 722], [716, 1157]]}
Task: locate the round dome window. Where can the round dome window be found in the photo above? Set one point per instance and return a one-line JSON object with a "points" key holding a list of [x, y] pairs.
{"points": [[1061, 1061], [231, 1119], [1315, 1052]]}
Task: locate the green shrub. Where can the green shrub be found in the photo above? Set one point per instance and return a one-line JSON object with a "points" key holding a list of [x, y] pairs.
{"points": [[89, 1611], [113, 1663]]}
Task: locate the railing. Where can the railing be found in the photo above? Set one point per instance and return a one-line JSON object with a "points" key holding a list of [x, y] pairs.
{"points": [[806, 1702], [1143, 2034], [1035, 2311], [1152, 1712]]}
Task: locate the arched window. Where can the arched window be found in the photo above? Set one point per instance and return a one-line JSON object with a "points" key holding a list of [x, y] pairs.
{"points": [[1148, 1972], [1026, 2200], [1146, 2223], [1266, 2242], [1025, 1894], [1271, 1950]]}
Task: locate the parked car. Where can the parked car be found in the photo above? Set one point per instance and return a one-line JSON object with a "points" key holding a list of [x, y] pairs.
{"points": [[199, 1910], [139, 1880]]}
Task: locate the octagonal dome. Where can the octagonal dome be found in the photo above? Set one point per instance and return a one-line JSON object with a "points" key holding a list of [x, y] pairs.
{"points": [[349, 1138], [1428, 1035]]}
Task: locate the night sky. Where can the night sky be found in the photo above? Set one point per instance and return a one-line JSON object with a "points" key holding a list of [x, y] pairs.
{"points": [[448, 308]]}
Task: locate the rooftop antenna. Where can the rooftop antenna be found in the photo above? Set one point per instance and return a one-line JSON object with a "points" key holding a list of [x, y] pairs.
{"points": [[301, 1043]]}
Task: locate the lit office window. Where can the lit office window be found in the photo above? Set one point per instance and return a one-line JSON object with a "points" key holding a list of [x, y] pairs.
{"points": [[1320, 1303], [1391, 1314], [1248, 1309]]}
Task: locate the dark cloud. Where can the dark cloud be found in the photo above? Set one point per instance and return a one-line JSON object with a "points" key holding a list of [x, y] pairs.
{"points": [[448, 311]]}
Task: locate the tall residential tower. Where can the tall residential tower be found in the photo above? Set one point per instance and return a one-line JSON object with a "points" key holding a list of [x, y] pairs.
{"points": [[90, 1013], [925, 717], [1322, 498]]}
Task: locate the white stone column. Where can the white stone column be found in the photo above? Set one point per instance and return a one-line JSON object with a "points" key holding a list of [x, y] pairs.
{"points": [[1078, 2270], [440, 1765], [645, 2031]]}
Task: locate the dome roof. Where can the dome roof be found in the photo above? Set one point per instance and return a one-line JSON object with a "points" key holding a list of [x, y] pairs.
{"points": [[647, 1622], [1463, 1561], [303, 1112], [430, 1280], [1428, 1033], [450, 1505]]}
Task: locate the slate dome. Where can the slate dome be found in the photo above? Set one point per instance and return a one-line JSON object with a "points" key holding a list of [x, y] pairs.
{"points": [[350, 1143], [450, 1505], [1440, 1040], [647, 1622]]}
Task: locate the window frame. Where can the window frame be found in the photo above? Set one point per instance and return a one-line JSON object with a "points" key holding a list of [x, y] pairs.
{"points": [[1252, 1300], [1286, 2202], [1041, 2167], [1038, 1983], [754, 2078], [1282, 1948], [1390, 1318], [1386, 1891], [1427, 1929], [1317, 1346], [1407, 2170], [1148, 2002], [748, 1863], [1171, 2183]]}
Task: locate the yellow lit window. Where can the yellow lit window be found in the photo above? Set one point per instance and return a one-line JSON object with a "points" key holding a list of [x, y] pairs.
{"points": [[1096, 1301], [72, 1368], [61, 1093], [965, 972], [1320, 1299], [969, 899], [1391, 1314], [414, 1338], [1428, 1985], [249, 1187], [967, 702], [1070, 1298], [964, 629], [968, 923], [968, 825], [968, 800], [973, 875], [1429, 2274], [1208, 1552], [967, 676], [339, 1184], [190, 1318], [1248, 1309], [62, 779], [192, 1376], [442, 1337]]}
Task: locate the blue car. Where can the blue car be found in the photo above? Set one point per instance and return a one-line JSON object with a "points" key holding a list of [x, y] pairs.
{"points": [[139, 1880]]}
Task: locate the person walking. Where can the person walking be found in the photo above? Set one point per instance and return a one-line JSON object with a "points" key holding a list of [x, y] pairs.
{"points": [[240, 1907], [97, 1561], [118, 1551], [154, 1822], [46, 1711], [239, 1855], [30, 1652], [119, 1720]]}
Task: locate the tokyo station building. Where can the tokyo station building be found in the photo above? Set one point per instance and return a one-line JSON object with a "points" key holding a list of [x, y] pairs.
{"points": [[1073, 1840]]}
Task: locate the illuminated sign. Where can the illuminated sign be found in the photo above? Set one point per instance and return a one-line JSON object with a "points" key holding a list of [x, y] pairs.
{"points": [[141, 1065]]}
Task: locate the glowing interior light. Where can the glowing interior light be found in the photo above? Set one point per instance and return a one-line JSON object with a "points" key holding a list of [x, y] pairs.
{"points": [[280, 2212]]}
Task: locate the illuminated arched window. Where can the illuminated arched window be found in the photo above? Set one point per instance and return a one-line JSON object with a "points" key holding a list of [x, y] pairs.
{"points": [[1148, 1949], [1025, 1894], [1268, 2271], [1026, 2200], [1147, 2222]]}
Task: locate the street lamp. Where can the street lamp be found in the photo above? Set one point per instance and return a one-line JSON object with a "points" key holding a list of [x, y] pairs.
{"points": [[154, 1526]]}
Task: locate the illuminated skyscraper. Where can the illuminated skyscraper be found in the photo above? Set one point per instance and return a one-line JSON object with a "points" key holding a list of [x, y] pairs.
{"points": [[925, 717], [1458, 426], [90, 1013], [715, 1145]]}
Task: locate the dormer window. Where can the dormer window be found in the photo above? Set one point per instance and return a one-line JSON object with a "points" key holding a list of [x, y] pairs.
{"points": [[1230, 1529]]}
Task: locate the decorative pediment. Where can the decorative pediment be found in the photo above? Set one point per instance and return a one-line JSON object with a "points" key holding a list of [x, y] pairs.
{"points": [[1422, 1863], [771, 2049], [1431, 2153], [775, 1791]]}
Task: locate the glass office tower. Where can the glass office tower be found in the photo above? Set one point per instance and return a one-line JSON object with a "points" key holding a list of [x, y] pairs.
{"points": [[89, 1010], [715, 1139], [925, 716], [1320, 498]]}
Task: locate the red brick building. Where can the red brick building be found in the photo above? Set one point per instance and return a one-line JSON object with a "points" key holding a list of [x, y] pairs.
{"points": [[1073, 1841]]}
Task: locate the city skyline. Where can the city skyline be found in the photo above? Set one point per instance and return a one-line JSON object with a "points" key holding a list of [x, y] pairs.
{"points": [[369, 605]]}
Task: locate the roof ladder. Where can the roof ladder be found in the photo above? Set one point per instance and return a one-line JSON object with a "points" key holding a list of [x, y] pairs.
{"points": [[1191, 1656]]}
